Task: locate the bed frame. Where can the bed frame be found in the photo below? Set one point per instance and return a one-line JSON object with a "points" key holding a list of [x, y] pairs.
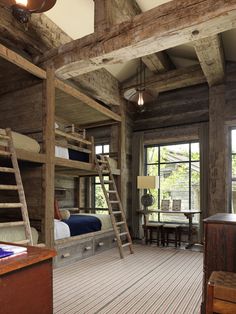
{"points": [[33, 110], [79, 247]]}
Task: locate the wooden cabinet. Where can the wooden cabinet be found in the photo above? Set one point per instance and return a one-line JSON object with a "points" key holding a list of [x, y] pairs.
{"points": [[219, 248], [26, 282]]}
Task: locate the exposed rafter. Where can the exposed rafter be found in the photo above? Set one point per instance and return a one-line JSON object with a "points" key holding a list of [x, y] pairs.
{"points": [[172, 80], [158, 62], [211, 56], [166, 26]]}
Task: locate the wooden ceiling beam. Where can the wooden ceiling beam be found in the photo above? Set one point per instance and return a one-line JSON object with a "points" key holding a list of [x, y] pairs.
{"points": [[158, 62], [171, 80], [211, 57], [169, 25]]}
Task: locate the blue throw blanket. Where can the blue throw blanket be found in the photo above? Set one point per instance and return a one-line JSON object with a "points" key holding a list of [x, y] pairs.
{"points": [[80, 224]]}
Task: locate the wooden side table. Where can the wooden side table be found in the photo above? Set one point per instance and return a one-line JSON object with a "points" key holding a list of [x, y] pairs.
{"points": [[26, 282]]}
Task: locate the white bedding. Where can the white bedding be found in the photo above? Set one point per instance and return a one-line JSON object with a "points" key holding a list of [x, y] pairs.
{"points": [[17, 234], [21, 141], [61, 230], [61, 152]]}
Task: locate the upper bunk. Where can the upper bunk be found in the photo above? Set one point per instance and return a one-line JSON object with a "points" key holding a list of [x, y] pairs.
{"points": [[26, 104]]}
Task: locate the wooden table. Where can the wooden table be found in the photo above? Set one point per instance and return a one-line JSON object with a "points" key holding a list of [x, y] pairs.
{"points": [[187, 213], [26, 282]]}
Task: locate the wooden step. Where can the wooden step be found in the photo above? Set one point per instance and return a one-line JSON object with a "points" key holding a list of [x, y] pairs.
{"points": [[120, 223], [11, 224], [111, 191], [4, 137], [114, 202], [107, 181], [126, 244], [4, 153], [6, 169], [10, 205], [8, 187], [116, 212], [102, 161], [123, 233]]}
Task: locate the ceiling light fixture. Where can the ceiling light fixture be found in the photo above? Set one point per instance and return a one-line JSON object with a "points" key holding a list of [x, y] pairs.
{"points": [[140, 94], [22, 9]]}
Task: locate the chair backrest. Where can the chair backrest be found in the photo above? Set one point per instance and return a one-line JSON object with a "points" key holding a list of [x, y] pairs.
{"points": [[165, 204], [176, 205]]}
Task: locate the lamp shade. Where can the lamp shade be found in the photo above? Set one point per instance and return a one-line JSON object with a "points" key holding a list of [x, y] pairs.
{"points": [[147, 182]]}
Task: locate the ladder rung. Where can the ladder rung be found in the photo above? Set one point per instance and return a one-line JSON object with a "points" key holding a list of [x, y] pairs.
{"points": [[102, 161], [120, 223], [116, 212], [11, 224], [5, 137], [6, 169], [126, 244], [8, 187], [4, 153], [123, 233], [11, 205], [22, 242], [111, 191], [114, 202], [107, 181]]}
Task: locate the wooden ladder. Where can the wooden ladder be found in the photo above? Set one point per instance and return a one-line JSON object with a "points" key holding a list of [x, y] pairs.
{"points": [[10, 153], [115, 207]]}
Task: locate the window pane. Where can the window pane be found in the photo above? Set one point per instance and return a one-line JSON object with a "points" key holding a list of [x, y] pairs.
{"points": [[174, 183], [152, 155], [106, 148], [195, 189], [100, 201], [174, 153], [234, 197], [97, 180], [98, 149], [152, 170], [234, 166], [233, 134], [195, 155]]}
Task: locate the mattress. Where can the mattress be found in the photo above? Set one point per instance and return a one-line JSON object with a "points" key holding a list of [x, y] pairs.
{"points": [[61, 230], [17, 234], [21, 141]]}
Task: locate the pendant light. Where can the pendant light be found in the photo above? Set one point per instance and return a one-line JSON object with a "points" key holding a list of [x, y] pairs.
{"points": [[22, 9], [141, 94]]}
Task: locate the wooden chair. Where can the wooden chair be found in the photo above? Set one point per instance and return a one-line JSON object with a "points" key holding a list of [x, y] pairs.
{"points": [[221, 293], [149, 228], [175, 229]]}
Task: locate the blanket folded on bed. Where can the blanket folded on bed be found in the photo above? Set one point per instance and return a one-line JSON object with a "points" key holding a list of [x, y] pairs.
{"points": [[81, 224]]}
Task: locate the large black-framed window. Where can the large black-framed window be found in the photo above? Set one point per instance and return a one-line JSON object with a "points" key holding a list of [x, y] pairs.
{"points": [[233, 170], [98, 197], [178, 168]]}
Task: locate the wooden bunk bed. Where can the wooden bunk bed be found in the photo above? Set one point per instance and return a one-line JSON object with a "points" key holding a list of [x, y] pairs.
{"points": [[32, 109]]}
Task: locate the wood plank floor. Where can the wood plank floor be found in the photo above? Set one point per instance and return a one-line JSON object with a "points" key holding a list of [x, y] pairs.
{"points": [[153, 280]]}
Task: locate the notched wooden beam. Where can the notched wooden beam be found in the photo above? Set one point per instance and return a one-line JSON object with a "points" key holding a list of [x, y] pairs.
{"points": [[171, 80], [163, 27], [158, 62], [211, 56]]}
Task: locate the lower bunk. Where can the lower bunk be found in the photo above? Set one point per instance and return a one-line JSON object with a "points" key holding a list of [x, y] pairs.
{"points": [[75, 248], [78, 236]]}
